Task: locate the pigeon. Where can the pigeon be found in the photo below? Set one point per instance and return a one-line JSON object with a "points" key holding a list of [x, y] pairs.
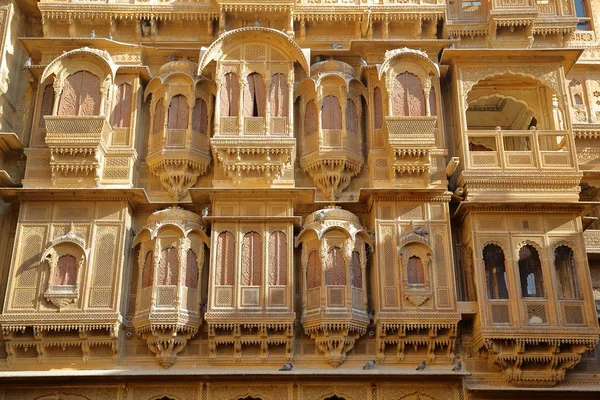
{"points": [[257, 23], [93, 34], [319, 215], [205, 212], [336, 46], [422, 366], [457, 367], [421, 232], [371, 315], [369, 365], [287, 367], [27, 64], [109, 36], [172, 58]]}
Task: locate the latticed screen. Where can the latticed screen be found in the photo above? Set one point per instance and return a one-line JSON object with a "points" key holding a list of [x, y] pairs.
{"points": [[313, 272], [168, 268], [335, 268], [564, 262], [230, 95], [191, 270], [159, 117], [199, 116], [414, 271], [251, 259], [331, 113], [530, 271], [378, 108], [47, 103], [351, 120], [147, 271], [225, 258], [495, 272], [279, 96], [121, 117], [356, 270], [66, 271], [407, 97], [310, 118], [178, 113], [277, 259]]}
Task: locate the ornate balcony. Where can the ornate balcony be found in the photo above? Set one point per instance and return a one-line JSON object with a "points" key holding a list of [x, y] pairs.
{"points": [[77, 146], [410, 141]]}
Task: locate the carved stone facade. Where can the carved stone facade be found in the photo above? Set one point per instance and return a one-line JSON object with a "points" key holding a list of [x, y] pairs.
{"points": [[309, 200]]}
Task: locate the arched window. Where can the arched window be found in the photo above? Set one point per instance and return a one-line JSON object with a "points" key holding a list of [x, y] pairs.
{"points": [[225, 258], [278, 260], [415, 272], [331, 113], [530, 272], [121, 117], [65, 272], [407, 97], [80, 95], [310, 118], [356, 270], [147, 271], [378, 108], [351, 118], [279, 96], [178, 113], [254, 96], [200, 117], [47, 104], [191, 270], [334, 398], [230, 95], [168, 270], [335, 267], [159, 117], [313, 271], [251, 259], [495, 272], [564, 262]]}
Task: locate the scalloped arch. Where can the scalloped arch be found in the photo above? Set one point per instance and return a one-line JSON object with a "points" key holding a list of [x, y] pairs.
{"points": [[56, 64], [420, 56], [502, 247], [272, 37]]}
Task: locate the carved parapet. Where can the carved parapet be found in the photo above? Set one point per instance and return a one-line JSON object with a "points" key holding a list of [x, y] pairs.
{"points": [[77, 145], [261, 160]]}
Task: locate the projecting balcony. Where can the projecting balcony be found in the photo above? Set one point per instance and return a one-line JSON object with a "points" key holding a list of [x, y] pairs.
{"points": [[77, 145], [524, 161]]}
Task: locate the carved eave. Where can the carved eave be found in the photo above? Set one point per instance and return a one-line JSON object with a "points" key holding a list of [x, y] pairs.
{"points": [[178, 11], [102, 55], [565, 57]]}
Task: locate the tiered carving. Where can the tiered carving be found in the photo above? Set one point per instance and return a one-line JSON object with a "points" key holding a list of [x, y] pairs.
{"points": [[78, 131], [168, 296], [253, 141], [331, 126], [250, 309], [416, 310], [412, 85], [334, 259], [535, 320], [180, 113]]}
